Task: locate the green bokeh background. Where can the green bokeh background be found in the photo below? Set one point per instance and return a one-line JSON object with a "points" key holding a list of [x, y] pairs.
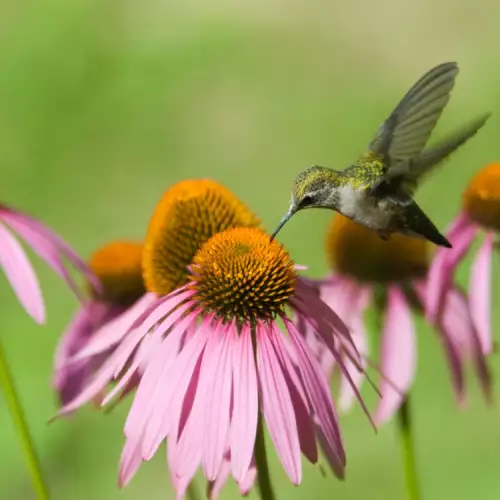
{"points": [[105, 103]]}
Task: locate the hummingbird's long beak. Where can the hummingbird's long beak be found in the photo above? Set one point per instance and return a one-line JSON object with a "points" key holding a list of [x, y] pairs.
{"points": [[283, 221]]}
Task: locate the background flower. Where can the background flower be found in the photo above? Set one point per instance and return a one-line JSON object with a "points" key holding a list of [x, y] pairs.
{"points": [[118, 267], [393, 274], [480, 214], [47, 245]]}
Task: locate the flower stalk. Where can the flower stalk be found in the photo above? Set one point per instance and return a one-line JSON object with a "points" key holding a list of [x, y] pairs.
{"points": [[263, 477], [21, 426], [405, 433]]}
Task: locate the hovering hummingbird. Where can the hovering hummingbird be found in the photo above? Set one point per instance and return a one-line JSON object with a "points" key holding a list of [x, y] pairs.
{"points": [[376, 191]]}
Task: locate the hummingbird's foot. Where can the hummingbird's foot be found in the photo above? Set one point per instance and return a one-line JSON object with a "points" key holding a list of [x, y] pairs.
{"points": [[385, 236]]}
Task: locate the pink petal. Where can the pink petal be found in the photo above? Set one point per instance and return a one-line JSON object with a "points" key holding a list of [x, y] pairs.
{"points": [[130, 462], [187, 454], [146, 348], [309, 296], [277, 406], [114, 330], [104, 375], [153, 380], [245, 405], [217, 406], [70, 377], [49, 247], [445, 261], [316, 318], [246, 484], [318, 393], [356, 323], [359, 336], [220, 480], [480, 293], [398, 354], [21, 275], [450, 325], [173, 388], [305, 428]]}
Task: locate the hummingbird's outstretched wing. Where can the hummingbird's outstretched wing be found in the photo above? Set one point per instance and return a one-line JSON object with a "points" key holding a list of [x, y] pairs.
{"points": [[407, 175], [405, 133]]}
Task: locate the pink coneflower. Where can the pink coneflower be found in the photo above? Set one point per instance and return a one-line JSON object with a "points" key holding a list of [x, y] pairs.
{"points": [[118, 267], [47, 245], [480, 214], [224, 355], [393, 275]]}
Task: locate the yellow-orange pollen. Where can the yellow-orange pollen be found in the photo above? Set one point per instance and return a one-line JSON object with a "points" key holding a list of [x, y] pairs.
{"points": [[189, 213], [241, 274], [362, 254], [118, 266], [481, 199]]}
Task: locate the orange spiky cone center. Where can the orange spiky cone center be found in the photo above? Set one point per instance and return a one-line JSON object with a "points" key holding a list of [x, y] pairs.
{"points": [[481, 199], [189, 214], [118, 265], [241, 274]]}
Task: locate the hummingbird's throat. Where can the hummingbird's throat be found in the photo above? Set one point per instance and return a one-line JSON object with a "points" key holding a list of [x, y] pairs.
{"points": [[360, 253], [481, 199]]}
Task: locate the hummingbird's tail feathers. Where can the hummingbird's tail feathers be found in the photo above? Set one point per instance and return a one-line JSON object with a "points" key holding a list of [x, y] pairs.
{"points": [[433, 156], [420, 225]]}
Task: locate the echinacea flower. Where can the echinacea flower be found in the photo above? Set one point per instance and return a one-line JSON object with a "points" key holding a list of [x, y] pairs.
{"points": [[223, 351], [480, 214], [18, 269], [118, 267], [393, 274], [188, 213]]}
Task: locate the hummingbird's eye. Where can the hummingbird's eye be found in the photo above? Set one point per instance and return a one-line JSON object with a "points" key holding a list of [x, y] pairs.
{"points": [[306, 200]]}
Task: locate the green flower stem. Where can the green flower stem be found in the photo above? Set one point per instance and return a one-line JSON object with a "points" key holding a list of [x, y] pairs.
{"points": [[408, 448], [263, 478], [19, 420]]}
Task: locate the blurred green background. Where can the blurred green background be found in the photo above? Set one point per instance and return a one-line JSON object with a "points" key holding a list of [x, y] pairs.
{"points": [[105, 103]]}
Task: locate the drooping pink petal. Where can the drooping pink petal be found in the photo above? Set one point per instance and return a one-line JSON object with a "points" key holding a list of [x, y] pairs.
{"points": [[356, 323], [398, 354], [172, 391], [480, 293], [305, 428], [217, 406], [69, 376], [112, 332], [445, 261], [277, 406], [316, 319], [148, 346], [49, 247], [186, 440], [245, 405], [222, 476], [21, 275], [155, 377], [246, 484], [330, 451], [339, 295], [318, 393], [451, 324], [105, 374], [307, 296], [130, 462]]}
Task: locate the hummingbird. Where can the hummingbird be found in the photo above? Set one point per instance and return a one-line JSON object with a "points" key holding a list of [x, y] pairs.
{"points": [[377, 190]]}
